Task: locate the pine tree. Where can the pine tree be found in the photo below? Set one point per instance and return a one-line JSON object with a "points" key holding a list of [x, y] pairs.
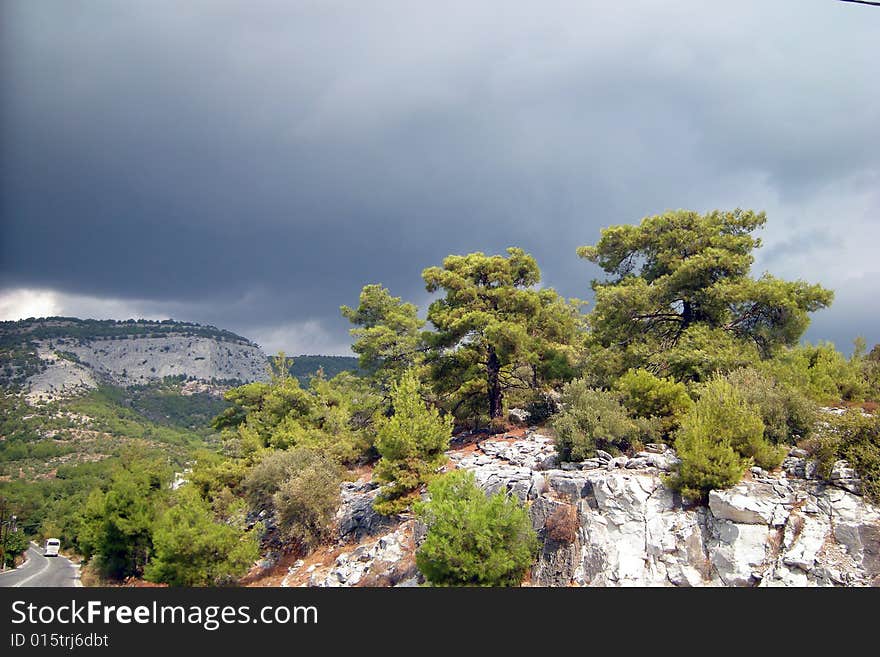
{"points": [[494, 321], [679, 298], [472, 539], [411, 443]]}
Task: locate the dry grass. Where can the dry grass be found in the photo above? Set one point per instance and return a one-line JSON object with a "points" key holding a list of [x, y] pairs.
{"points": [[562, 526]]}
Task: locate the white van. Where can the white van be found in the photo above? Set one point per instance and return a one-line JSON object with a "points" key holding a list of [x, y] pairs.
{"points": [[52, 547]]}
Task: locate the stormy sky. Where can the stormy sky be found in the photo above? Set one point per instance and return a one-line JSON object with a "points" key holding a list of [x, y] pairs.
{"points": [[253, 164]]}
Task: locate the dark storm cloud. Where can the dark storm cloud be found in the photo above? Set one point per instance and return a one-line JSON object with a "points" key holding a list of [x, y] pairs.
{"points": [[254, 164]]}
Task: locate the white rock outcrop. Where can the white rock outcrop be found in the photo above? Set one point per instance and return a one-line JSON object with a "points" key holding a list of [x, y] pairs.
{"points": [[139, 360], [768, 530], [772, 529]]}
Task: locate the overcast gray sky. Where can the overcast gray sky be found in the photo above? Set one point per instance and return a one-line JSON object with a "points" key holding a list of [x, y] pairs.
{"points": [[253, 164]]}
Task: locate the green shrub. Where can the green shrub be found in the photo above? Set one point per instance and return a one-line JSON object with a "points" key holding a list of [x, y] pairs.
{"points": [[191, 549], [820, 372], [707, 462], [702, 351], [301, 486], [591, 419], [212, 474], [307, 499], [411, 444], [787, 413], [14, 544], [648, 396], [332, 417], [735, 420], [871, 372], [265, 478], [472, 539], [855, 438], [719, 437]]}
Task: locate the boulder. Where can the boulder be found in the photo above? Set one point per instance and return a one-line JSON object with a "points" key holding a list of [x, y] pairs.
{"points": [[356, 517], [750, 504]]}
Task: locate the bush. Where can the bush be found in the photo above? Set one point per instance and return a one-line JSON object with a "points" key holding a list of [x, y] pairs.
{"points": [[787, 413], [733, 419], [411, 444], [719, 437], [591, 419], [302, 487], [14, 545], [307, 500], [541, 408], [707, 461], [332, 417], [648, 396], [473, 540], [820, 372], [855, 438], [265, 478], [191, 549]]}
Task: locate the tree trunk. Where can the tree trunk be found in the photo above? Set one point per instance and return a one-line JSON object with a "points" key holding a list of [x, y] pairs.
{"points": [[493, 368], [687, 315]]}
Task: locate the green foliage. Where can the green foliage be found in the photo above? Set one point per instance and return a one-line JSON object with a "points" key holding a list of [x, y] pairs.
{"points": [[680, 270], [55, 506], [161, 403], [871, 371], [388, 334], [264, 479], [20, 423], [719, 438], [117, 524], [787, 413], [307, 498], [41, 450], [853, 437], [13, 545], [303, 368], [492, 326], [591, 419], [702, 351], [191, 549], [61, 329], [108, 413], [821, 372], [648, 396], [211, 474], [332, 417], [301, 486], [411, 444], [707, 461], [473, 540], [735, 420], [541, 407]]}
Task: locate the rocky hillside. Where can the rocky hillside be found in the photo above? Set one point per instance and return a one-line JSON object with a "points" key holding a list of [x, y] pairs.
{"points": [[60, 356], [613, 522]]}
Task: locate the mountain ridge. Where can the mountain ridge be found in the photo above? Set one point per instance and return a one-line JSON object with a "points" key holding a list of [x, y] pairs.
{"points": [[60, 356]]}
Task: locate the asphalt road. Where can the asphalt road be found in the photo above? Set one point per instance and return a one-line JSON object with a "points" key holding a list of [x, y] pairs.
{"points": [[41, 571]]}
